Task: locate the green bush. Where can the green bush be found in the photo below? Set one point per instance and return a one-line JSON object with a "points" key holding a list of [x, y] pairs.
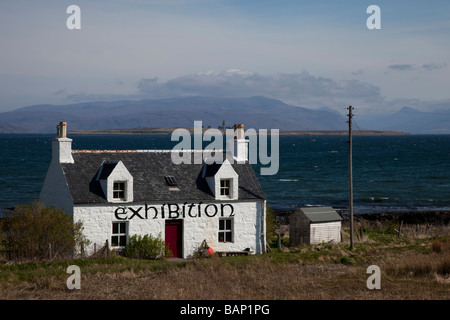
{"points": [[347, 260], [34, 232], [146, 247], [271, 224]]}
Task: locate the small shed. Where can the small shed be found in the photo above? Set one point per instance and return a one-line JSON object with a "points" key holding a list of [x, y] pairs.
{"points": [[313, 225]]}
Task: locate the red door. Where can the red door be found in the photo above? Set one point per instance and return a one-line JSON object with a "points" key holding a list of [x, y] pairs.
{"points": [[173, 237]]}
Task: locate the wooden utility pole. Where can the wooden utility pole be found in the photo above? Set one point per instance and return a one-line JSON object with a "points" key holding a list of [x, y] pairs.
{"points": [[350, 172]]}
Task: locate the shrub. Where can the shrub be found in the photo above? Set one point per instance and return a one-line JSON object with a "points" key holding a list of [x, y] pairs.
{"points": [[347, 260], [443, 268], [271, 223], [146, 247], [35, 232], [436, 246]]}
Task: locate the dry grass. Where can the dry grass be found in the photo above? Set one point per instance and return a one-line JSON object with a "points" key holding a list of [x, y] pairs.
{"points": [[413, 267], [217, 279], [404, 276]]}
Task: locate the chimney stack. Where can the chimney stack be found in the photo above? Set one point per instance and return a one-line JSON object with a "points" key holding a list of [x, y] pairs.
{"points": [[61, 145], [238, 146]]}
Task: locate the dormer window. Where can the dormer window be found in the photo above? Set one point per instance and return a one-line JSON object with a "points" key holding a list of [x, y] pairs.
{"points": [[222, 180], [119, 190], [225, 186], [116, 181]]}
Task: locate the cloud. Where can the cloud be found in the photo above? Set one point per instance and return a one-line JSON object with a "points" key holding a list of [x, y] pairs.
{"points": [[433, 66], [85, 97], [425, 67], [301, 89], [401, 67], [357, 72], [60, 92]]}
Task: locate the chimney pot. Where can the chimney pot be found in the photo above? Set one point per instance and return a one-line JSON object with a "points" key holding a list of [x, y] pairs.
{"points": [[62, 129], [239, 131]]}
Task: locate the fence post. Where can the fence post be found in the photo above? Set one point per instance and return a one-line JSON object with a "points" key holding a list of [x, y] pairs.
{"points": [[400, 228]]}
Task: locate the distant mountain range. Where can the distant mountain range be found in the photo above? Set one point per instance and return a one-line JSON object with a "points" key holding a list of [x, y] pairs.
{"points": [[412, 121], [255, 112]]}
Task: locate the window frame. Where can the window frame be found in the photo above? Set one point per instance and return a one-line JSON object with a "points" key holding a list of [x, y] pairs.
{"points": [[122, 191], [119, 234], [226, 232], [226, 191]]}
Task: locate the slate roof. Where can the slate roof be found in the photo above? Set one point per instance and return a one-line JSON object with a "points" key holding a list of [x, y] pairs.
{"points": [[212, 169], [107, 168], [321, 214], [149, 169]]}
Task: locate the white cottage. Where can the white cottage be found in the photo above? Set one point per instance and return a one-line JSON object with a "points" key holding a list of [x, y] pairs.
{"points": [[119, 193], [312, 225]]}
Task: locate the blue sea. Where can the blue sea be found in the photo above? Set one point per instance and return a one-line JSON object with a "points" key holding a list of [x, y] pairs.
{"points": [[390, 173]]}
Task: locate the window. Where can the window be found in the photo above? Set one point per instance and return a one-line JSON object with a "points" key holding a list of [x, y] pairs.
{"points": [[225, 187], [225, 230], [119, 190], [119, 234]]}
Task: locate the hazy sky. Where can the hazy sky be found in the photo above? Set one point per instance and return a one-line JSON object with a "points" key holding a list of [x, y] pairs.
{"points": [[308, 53]]}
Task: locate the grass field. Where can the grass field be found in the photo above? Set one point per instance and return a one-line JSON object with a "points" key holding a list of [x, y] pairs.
{"points": [[415, 266]]}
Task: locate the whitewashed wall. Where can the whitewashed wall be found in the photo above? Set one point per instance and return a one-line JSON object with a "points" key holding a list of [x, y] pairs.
{"points": [[55, 191], [248, 225], [325, 231]]}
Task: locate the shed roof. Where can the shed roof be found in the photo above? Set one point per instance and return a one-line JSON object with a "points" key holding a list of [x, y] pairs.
{"points": [[149, 170], [321, 214]]}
